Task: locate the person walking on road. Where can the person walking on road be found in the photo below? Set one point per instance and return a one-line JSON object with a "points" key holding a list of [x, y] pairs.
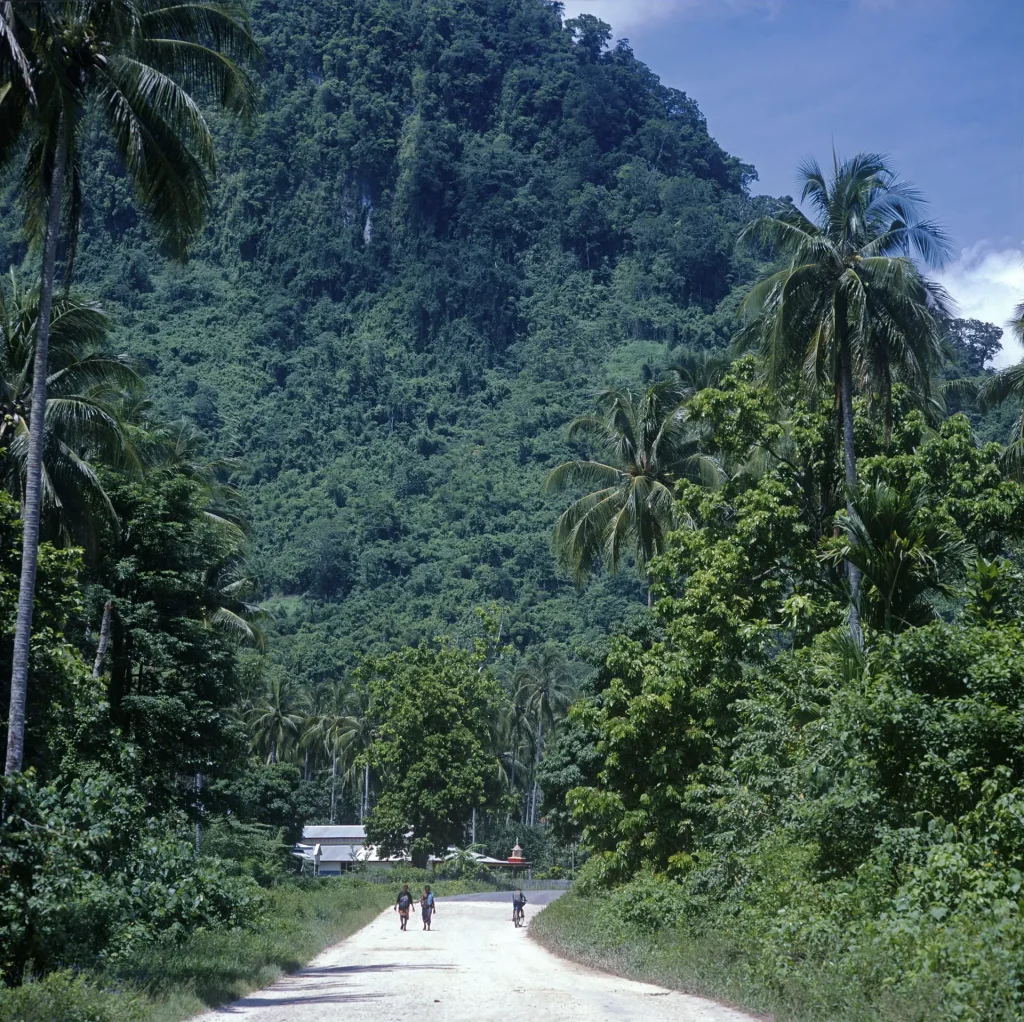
{"points": [[427, 907], [403, 905]]}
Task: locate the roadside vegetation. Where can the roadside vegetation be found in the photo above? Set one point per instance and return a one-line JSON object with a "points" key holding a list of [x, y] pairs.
{"points": [[498, 469], [804, 785]]}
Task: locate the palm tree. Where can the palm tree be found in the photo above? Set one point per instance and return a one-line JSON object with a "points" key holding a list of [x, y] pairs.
{"points": [[850, 307], [136, 62], [647, 444], [1009, 385], [551, 682], [277, 719], [510, 732], [85, 393], [699, 370], [356, 734], [329, 728], [903, 555]]}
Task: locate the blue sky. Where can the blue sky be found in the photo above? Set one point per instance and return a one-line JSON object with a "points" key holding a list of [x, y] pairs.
{"points": [[938, 85]]}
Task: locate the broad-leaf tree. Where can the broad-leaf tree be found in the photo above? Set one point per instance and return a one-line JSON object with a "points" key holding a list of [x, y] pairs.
{"points": [[139, 65], [432, 708], [850, 310]]}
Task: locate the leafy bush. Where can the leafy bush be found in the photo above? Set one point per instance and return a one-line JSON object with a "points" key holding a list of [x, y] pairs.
{"points": [[66, 997], [647, 903], [87, 874], [463, 866]]}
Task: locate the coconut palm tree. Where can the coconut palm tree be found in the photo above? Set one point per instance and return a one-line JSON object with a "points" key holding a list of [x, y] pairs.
{"points": [[551, 682], [850, 309], [1005, 386], [355, 736], [328, 728], [904, 556], [698, 370], [511, 729], [277, 719], [647, 444], [136, 64], [85, 396]]}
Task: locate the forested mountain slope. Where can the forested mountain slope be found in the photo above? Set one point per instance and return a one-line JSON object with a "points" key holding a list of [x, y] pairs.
{"points": [[453, 222]]}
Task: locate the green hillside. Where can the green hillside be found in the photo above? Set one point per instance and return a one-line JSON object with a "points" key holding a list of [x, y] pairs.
{"points": [[453, 222]]}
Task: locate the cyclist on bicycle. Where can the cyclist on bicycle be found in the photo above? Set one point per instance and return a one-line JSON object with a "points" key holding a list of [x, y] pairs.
{"points": [[518, 903]]}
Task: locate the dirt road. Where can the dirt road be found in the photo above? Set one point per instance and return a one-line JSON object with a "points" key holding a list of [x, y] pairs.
{"points": [[474, 966]]}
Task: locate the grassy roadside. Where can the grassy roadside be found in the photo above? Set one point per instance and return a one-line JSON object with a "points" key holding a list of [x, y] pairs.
{"points": [[721, 965], [170, 982]]}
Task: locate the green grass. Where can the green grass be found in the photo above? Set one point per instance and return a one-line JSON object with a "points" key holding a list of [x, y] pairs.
{"points": [[170, 982], [166, 983], [722, 965]]}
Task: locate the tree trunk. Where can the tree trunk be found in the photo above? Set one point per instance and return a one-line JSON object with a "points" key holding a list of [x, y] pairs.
{"points": [[514, 756], [305, 767], [101, 649], [334, 778], [32, 508], [536, 770], [366, 793], [850, 469], [199, 809]]}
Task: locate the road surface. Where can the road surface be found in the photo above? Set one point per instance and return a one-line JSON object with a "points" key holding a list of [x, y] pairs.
{"points": [[474, 966]]}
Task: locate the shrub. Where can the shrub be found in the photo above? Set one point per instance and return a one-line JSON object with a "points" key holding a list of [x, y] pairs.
{"points": [[647, 902], [86, 874], [65, 997]]}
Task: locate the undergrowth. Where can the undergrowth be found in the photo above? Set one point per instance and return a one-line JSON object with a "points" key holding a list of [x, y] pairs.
{"points": [[167, 982], [723, 959]]}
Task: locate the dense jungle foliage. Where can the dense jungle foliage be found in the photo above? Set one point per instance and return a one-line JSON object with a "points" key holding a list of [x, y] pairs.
{"points": [[451, 223], [780, 817], [447, 226], [470, 323]]}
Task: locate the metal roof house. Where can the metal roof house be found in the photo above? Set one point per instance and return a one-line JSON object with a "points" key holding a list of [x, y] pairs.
{"points": [[333, 849]]}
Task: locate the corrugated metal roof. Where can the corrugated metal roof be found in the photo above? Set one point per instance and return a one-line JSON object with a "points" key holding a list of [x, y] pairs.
{"points": [[343, 853], [354, 831], [333, 853]]}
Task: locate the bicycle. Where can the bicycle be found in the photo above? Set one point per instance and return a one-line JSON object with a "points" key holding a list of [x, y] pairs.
{"points": [[518, 916]]}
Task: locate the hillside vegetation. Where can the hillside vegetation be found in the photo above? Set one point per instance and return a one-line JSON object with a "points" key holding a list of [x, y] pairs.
{"points": [[321, 524], [452, 223]]}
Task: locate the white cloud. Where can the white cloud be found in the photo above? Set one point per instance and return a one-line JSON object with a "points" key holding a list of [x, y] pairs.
{"points": [[987, 284]]}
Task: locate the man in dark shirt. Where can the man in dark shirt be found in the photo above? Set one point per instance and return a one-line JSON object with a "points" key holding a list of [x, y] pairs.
{"points": [[403, 905], [518, 902]]}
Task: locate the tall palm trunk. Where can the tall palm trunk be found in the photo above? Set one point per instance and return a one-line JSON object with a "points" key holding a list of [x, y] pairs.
{"points": [[334, 779], [32, 507], [365, 811], [850, 469], [514, 755], [536, 770], [104, 643], [200, 779]]}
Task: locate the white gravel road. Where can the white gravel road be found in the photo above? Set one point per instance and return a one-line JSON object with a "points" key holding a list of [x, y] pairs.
{"points": [[474, 966]]}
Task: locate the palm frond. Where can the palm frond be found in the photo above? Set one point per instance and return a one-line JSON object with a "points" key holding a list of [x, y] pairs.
{"points": [[1002, 387]]}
